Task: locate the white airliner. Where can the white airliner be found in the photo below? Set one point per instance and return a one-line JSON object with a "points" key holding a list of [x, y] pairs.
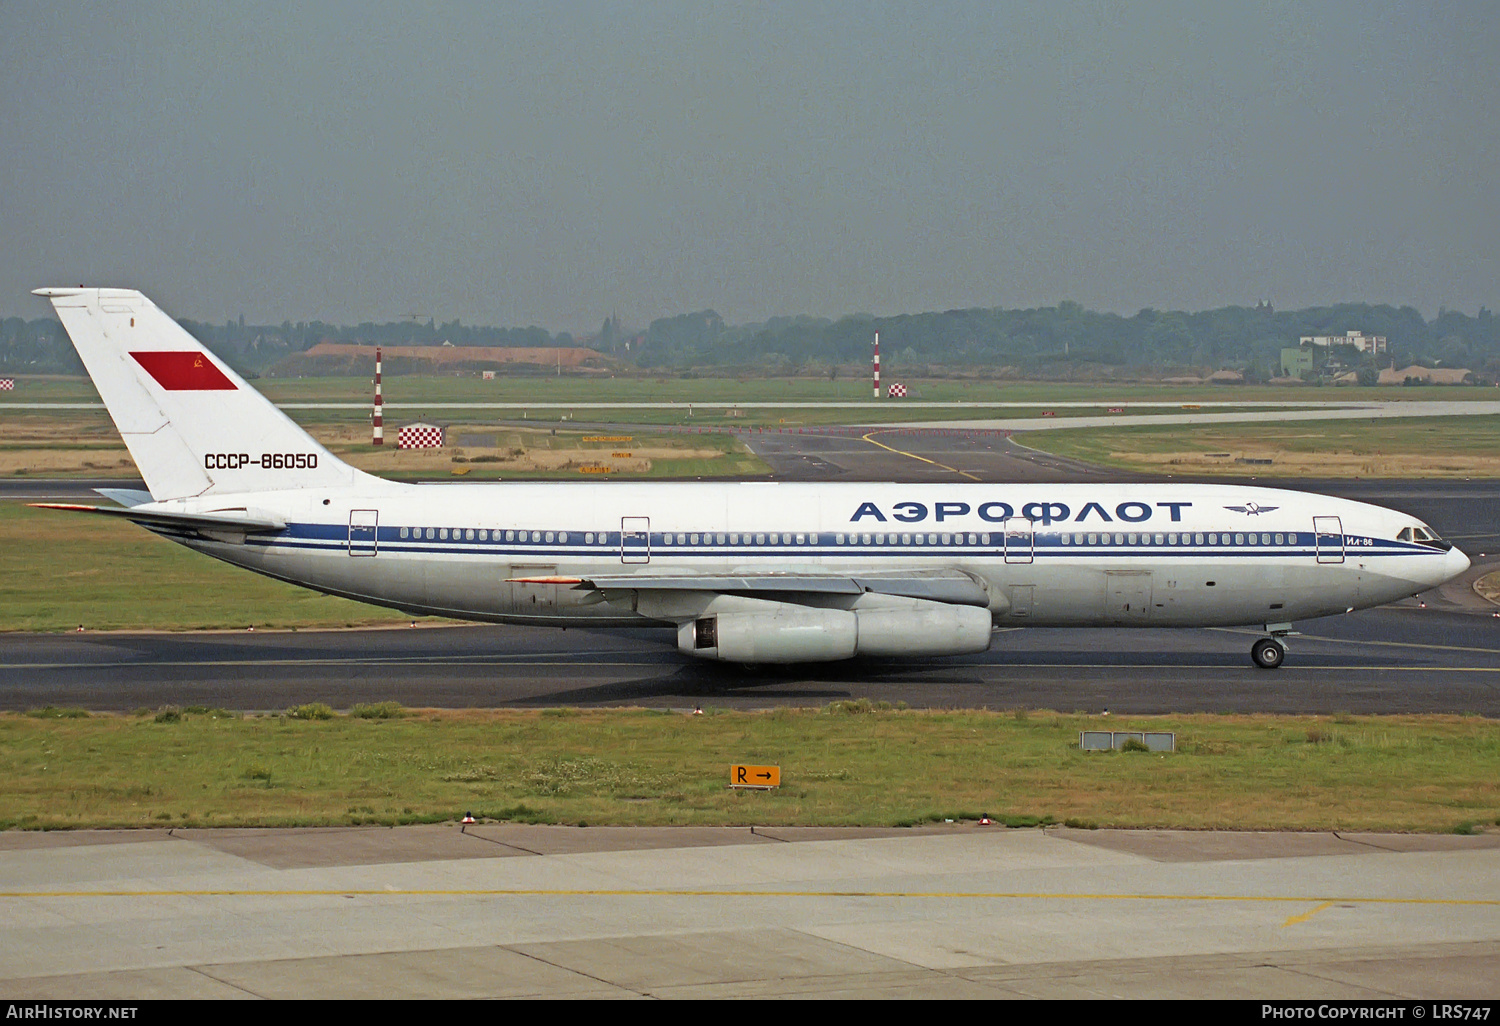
{"points": [[747, 572]]}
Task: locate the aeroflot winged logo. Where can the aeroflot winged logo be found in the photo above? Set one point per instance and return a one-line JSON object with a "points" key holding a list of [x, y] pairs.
{"points": [[184, 372], [1251, 509]]}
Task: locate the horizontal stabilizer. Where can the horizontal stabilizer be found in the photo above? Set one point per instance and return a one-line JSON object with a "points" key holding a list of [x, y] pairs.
{"points": [[950, 586], [223, 520], [125, 496]]}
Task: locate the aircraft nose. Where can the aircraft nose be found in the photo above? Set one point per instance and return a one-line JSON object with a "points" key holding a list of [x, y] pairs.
{"points": [[1455, 564]]}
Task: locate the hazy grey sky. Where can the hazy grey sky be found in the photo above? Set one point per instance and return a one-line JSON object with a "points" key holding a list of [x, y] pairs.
{"points": [[544, 163]]}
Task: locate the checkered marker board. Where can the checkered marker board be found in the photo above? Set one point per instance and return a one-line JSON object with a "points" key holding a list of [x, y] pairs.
{"points": [[896, 392], [7, 384], [421, 437]]}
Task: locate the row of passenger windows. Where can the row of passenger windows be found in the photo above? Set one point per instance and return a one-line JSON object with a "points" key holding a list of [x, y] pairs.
{"points": [[1128, 538], [590, 538], [470, 534]]}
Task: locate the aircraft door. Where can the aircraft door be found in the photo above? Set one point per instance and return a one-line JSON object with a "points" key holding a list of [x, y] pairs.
{"points": [[1018, 540], [1329, 532], [363, 526], [635, 539]]}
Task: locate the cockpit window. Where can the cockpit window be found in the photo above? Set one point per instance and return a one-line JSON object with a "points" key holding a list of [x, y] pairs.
{"points": [[1422, 535]]}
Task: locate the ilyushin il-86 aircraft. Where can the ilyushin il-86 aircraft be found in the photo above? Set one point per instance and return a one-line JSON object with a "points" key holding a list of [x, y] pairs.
{"points": [[752, 572]]}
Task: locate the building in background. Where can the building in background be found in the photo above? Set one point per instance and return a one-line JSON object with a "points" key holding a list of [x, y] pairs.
{"points": [[1296, 362], [1359, 340]]}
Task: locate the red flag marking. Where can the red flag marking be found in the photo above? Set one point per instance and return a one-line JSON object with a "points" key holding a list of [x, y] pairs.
{"points": [[184, 372]]}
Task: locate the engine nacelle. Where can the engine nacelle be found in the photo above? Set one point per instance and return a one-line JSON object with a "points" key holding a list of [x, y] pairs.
{"points": [[790, 634], [921, 628], [784, 632]]}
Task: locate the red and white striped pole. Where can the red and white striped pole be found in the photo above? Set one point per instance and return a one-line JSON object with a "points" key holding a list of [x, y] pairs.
{"points": [[379, 438], [877, 365]]}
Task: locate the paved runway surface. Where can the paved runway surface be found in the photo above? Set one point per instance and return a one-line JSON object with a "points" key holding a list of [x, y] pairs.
{"points": [[960, 912], [1402, 659]]}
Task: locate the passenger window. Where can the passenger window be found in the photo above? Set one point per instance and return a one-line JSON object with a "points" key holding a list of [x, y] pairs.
{"points": [[403, 532], [1239, 539], [760, 539], [1131, 538]]}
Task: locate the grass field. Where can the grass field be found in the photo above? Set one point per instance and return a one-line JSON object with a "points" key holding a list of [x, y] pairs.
{"points": [[84, 443], [59, 570], [849, 764], [1407, 448]]}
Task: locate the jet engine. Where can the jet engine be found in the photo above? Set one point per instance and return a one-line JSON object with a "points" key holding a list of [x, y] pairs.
{"points": [[761, 631]]}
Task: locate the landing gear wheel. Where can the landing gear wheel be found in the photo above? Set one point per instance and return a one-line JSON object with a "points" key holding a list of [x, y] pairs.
{"points": [[1268, 653]]}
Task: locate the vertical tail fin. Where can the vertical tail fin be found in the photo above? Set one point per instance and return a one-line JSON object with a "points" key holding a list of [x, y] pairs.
{"points": [[191, 424]]}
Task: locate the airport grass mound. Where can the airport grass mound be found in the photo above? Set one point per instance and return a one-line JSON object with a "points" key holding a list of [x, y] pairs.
{"points": [[849, 764]]}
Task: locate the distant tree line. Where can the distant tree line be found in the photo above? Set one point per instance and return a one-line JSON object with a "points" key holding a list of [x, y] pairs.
{"points": [[1051, 340], [1057, 341], [41, 347]]}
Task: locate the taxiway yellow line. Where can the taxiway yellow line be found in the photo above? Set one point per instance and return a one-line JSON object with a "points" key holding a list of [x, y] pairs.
{"points": [[1304, 917], [924, 459]]}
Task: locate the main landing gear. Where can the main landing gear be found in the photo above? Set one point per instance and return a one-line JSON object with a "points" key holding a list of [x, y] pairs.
{"points": [[1268, 653]]}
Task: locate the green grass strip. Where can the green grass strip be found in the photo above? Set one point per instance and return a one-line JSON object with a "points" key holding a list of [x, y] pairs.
{"points": [[851, 764]]}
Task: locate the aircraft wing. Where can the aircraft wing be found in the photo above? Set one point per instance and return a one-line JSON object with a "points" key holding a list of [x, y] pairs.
{"points": [[953, 587], [221, 520]]}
